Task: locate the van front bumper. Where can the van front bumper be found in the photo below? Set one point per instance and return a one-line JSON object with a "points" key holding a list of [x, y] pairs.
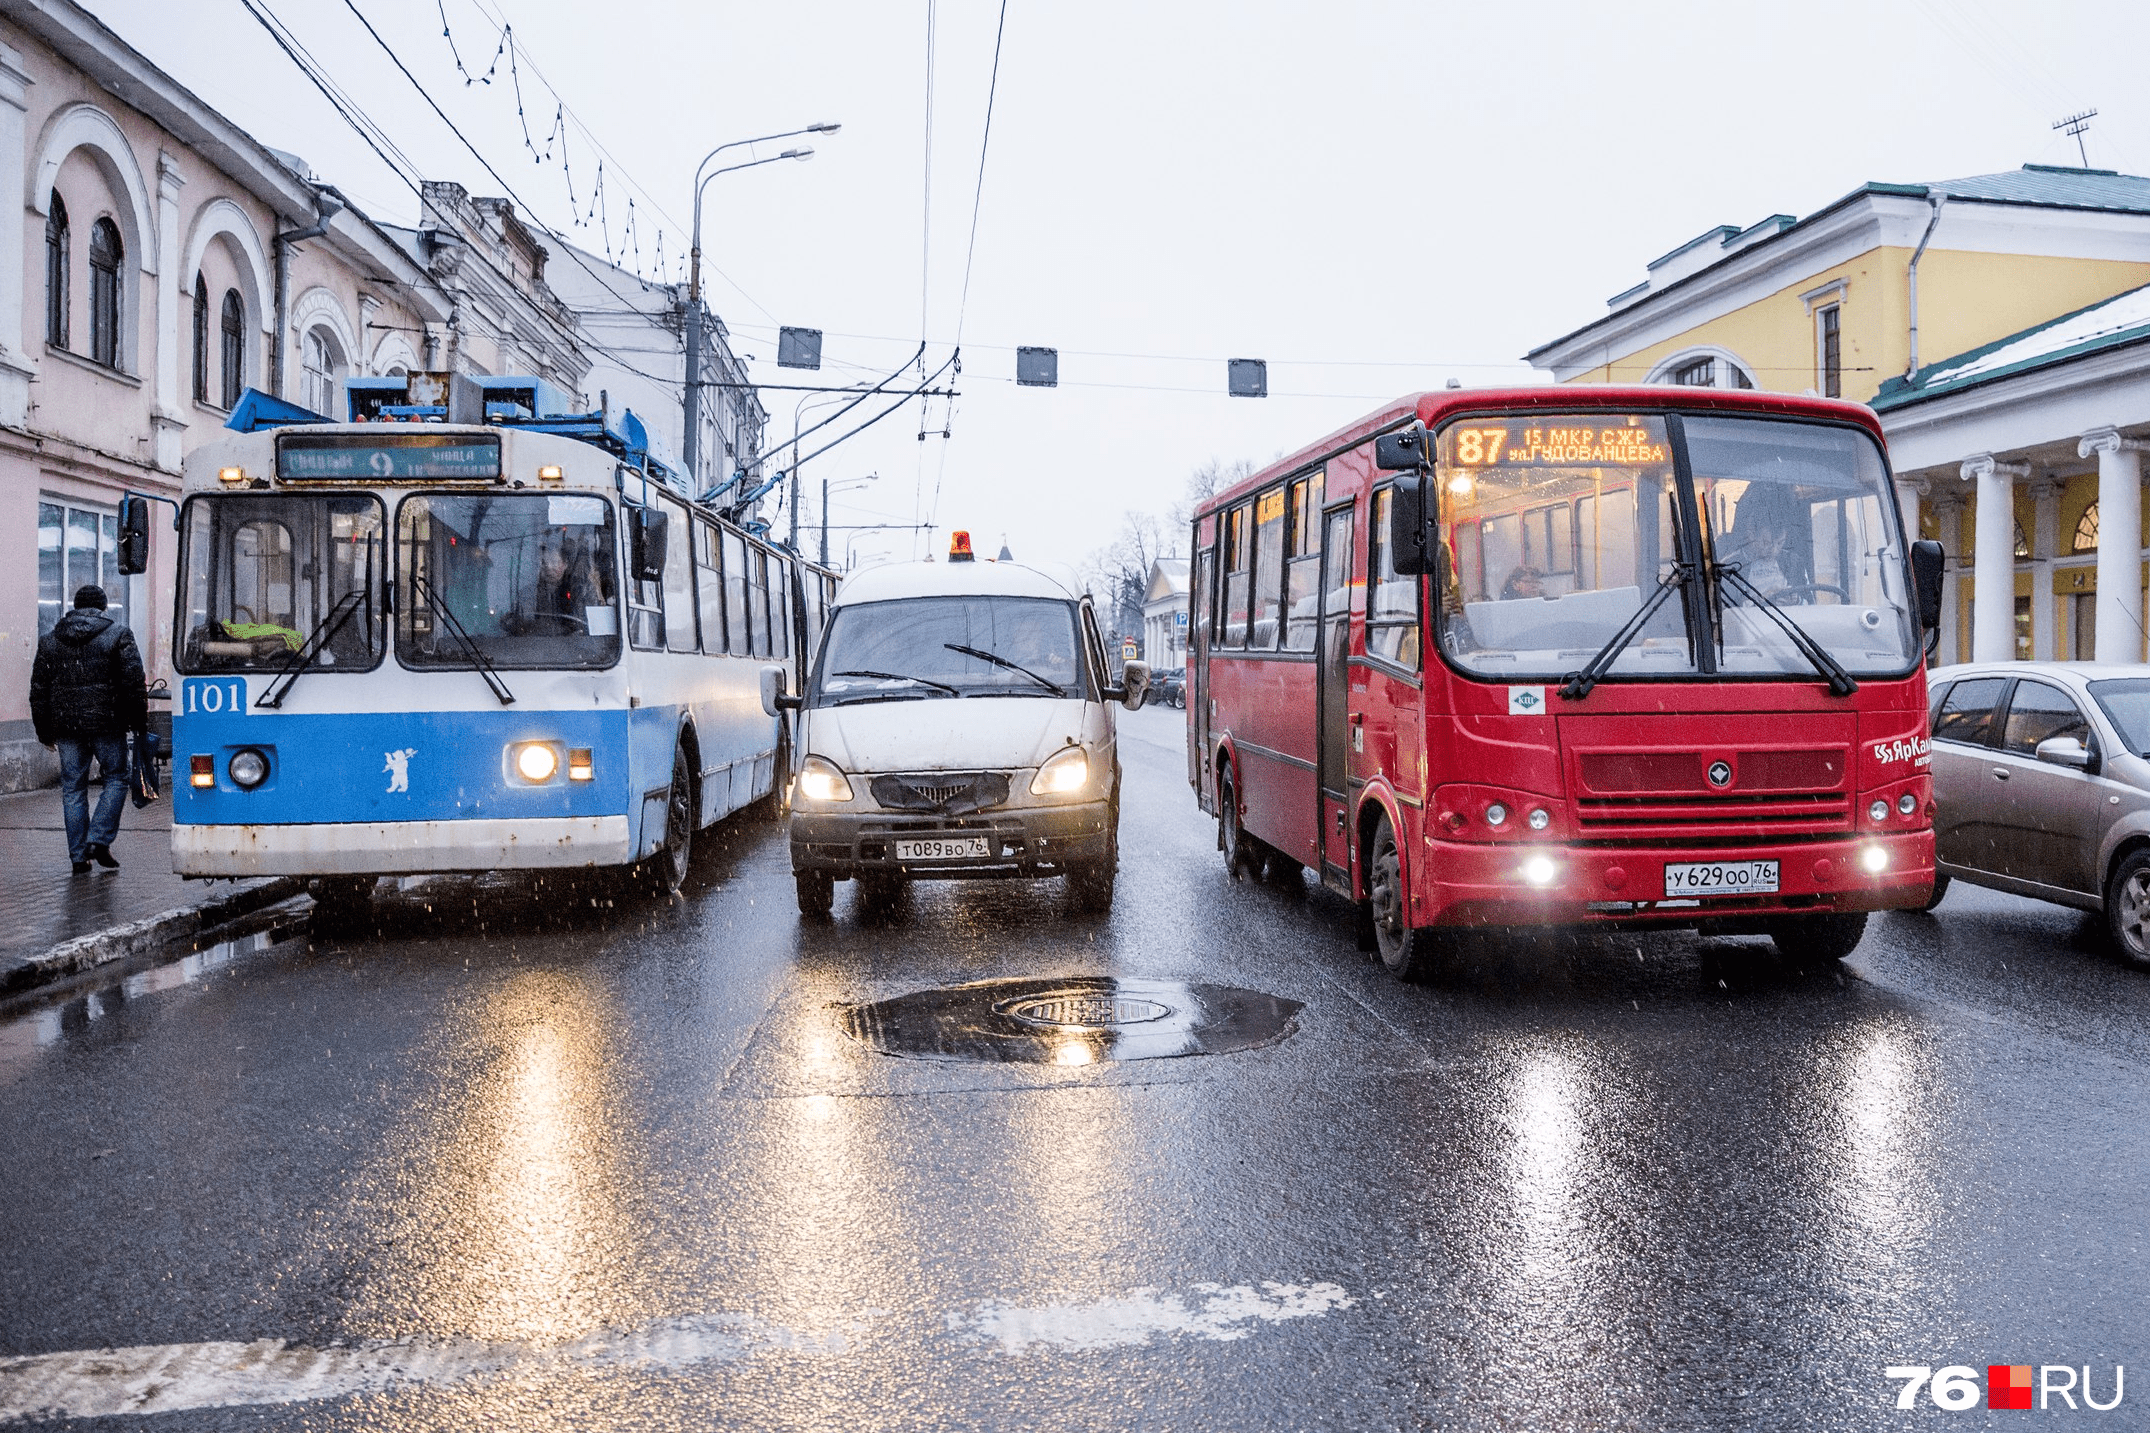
{"points": [[400, 848], [1025, 841]]}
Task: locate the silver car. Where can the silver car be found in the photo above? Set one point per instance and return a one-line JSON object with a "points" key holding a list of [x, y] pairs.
{"points": [[2041, 786]]}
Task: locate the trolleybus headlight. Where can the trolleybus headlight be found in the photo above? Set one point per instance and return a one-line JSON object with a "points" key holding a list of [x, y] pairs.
{"points": [[1874, 860], [819, 780], [578, 763], [1878, 812], [1907, 803], [201, 770], [536, 761], [247, 768], [1540, 818], [1539, 871], [1067, 769], [1496, 814]]}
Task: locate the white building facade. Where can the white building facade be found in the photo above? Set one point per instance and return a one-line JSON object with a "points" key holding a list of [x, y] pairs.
{"points": [[1164, 615]]}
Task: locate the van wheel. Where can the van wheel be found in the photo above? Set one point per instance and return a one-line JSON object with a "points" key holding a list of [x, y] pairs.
{"points": [[1408, 953], [817, 892], [1242, 853], [1819, 938], [666, 871], [2127, 907], [1090, 883], [879, 890]]}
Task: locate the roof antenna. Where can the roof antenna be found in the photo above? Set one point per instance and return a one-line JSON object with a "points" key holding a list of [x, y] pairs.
{"points": [[2075, 124]]}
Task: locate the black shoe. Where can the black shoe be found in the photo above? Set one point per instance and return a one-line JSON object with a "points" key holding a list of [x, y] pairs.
{"points": [[102, 855], [82, 868]]}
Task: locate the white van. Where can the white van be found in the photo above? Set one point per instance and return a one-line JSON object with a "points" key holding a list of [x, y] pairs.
{"points": [[957, 725]]}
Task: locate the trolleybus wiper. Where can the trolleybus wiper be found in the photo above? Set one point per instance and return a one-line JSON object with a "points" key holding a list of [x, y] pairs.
{"points": [[999, 661], [1840, 682], [296, 665], [463, 639], [1579, 684], [899, 677]]}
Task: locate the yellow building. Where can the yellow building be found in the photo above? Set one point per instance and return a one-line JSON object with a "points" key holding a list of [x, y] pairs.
{"points": [[1999, 324]]}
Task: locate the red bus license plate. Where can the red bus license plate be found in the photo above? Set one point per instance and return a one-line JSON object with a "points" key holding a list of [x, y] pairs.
{"points": [[1720, 878]]}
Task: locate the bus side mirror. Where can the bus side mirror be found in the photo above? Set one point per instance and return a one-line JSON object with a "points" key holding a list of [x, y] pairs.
{"points": [[646, 540], [1927, 562], [1408, 535], [133, 536], [1403, 449], [774, 698]]}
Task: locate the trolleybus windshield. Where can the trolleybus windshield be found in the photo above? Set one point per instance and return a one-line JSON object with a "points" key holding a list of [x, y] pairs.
{"points": [[1558, 528], [523, 580], [264, 572]]}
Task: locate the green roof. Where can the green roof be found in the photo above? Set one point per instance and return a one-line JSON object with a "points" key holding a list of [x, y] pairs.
{"points": [[2110, 323]]}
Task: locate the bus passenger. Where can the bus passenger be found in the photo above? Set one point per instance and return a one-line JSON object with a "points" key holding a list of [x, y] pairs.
{"points": [[1523, 582], [1762, 540]]}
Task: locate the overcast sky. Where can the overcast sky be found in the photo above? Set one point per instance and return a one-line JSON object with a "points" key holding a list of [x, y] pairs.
{"points": [[1375, 198]]}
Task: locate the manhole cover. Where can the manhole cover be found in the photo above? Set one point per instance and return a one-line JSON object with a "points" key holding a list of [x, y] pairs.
{"points": [[1079, 1021]]}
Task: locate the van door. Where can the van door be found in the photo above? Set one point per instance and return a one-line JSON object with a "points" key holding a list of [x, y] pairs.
{"points": [[1332, 663]]}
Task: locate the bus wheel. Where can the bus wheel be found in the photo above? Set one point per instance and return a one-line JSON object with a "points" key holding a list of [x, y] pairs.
{"points": [[1242, 853], [341, 903], [1933, 898], [668, 868], [1407, 953], [1822, 937], [817, 892]]}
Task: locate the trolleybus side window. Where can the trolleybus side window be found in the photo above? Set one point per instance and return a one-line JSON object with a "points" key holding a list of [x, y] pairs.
{"points": [[1302, 557], [678, 578], [1391, 598], [1238, 550], [528, 579], [265, 573], [758, 597], [1268, 569], [709, 577], [739, 628], [779, 607], [645, 607]]}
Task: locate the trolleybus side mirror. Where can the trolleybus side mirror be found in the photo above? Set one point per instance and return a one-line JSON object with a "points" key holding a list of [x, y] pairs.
{"points": [[133, 535], [774, 698], [646, 540], [1927, 561]]}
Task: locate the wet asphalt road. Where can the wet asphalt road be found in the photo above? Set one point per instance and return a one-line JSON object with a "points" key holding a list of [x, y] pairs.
{"points": [[629, 1170]]}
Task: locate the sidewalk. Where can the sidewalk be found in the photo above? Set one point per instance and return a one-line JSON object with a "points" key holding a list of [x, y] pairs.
{"points": [[42, 906]]}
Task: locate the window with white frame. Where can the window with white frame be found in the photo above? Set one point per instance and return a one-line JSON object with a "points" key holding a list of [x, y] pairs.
{"points": [[323, 366], [77, 545], [1706, 369]]}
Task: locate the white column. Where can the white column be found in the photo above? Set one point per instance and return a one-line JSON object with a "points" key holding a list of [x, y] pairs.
{"points": [[2120, 556], [17, 368], [1993, 562], [1948, 526], [2045, 536], [167, 419]]}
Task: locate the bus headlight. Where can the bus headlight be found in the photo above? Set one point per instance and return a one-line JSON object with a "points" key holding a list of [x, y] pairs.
{"points": [[1874, 860], [1878, 812], [819, 780], [536, 761], [1540, 870], [1496, 814], [247, 768], [1540, 818], [1907, 803], [1067, 769]]}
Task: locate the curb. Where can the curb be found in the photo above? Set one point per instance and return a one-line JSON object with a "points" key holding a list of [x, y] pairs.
{"points": [[137, 937]]}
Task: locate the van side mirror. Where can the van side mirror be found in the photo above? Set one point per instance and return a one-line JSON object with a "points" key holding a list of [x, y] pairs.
{"points": [[133, 535], [1927, 564], [1403, 449], [646, 533], [1134, 684], [1410, 535]]}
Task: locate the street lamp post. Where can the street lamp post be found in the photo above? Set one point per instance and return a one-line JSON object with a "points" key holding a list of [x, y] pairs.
{"points": [[797, 411], [825, 491], [691, 442]]}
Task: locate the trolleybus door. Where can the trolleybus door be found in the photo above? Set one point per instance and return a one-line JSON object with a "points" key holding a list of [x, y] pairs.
{"points": [[1332, 689]]}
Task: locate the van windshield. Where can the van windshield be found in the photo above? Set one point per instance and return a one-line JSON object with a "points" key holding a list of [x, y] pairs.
{"points": [[925, 648]]}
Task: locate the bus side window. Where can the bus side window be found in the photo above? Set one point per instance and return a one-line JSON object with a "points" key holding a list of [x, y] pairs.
{"points": [[1268, 580], [1238, 549], [758, 597], [678, 578], [1301, 556], [709, 578], [1391, 599], [779, 607], [740, 628]]}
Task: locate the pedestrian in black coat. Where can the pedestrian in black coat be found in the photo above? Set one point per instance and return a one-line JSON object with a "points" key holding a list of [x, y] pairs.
{"points": [[86, 695]]}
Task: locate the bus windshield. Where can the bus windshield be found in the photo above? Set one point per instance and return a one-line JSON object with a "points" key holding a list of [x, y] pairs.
{"points": [[939, 647], [263, 573], [524, 580], [1558, 529]]}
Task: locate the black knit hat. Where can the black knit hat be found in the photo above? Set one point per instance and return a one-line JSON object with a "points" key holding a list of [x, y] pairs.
{"points": [[90, 596]]}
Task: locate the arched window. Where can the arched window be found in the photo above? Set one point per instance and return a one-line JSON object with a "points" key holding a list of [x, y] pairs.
{"points": [[56, 244], [324, 367], [201, 339], [1704, 370], [234, 347], [2086, 531], [105, 257]]}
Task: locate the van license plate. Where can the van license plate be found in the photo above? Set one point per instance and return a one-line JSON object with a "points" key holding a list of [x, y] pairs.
{"points": [[951, 848], [1720, 878]]}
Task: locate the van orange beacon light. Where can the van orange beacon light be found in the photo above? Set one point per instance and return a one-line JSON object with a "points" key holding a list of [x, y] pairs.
{"points": [[959, 547]]}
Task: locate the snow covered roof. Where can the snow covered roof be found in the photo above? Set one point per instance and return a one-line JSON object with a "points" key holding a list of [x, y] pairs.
{"points": [[1168, 578], [2056, 185], [2109, 323]]}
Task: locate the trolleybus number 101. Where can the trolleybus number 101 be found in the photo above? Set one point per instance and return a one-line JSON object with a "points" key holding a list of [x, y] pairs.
{"points": [[211, 697], [1720, 878]]}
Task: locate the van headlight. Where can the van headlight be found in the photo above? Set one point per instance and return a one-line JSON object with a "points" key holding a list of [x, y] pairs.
{"points": [[1067, 769], [819, 780]]}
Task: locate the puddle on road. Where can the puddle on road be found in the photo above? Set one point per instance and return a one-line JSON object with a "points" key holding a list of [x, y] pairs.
{"points": [[44, 1025], [1081, 1020]]}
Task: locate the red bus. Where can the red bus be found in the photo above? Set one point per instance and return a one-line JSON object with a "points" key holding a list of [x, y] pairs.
{"points": [[1586, 656]]}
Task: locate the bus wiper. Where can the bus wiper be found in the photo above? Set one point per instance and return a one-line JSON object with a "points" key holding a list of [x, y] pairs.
{"points": [[999, 661], [1840, 682], [296, 665], [463, 639], [899, 677], [1579, 684]]}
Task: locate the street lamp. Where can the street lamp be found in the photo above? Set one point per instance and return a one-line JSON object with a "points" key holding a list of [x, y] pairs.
{"points": [[797, 409], [692, 441], [825, 491]]}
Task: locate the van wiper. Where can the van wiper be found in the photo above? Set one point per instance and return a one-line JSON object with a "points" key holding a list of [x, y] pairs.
{"points": [[1579, 684], [297, 664], [899, 677], [999, 661], [1840, 682], [463, 639]]}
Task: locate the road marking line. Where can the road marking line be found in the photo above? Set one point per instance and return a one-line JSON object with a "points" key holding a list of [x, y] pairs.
{"points": [[168, 1378]]}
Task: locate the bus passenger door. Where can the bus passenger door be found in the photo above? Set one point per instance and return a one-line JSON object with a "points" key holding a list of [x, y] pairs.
{"points": [[1196, 680], [1332, 689]]}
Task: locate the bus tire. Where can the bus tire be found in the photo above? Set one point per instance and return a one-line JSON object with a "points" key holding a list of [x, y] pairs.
{"points": [[817, 893], [1941, 885], [1828, 937], [1242, 853], [341, 903], [1408, 953], [666, 871]]}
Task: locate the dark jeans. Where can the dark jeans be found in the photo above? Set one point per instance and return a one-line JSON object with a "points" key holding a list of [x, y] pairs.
{"points": [[83, 829]]}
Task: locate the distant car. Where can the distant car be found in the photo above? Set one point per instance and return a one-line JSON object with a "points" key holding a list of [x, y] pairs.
{"points": [[1169, 688], [2042, 787]]}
